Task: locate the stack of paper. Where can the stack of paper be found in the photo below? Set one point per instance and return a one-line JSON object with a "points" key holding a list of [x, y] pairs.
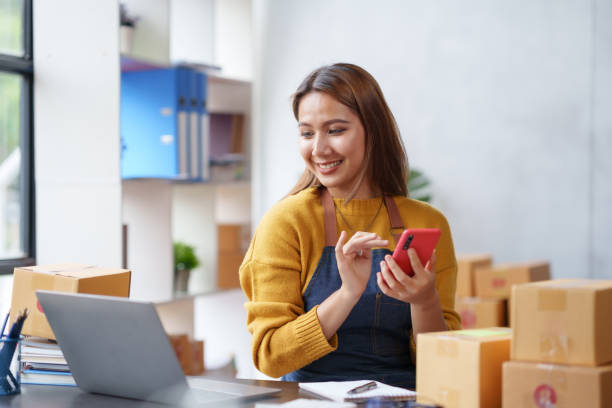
{"points": [[43, 363]]}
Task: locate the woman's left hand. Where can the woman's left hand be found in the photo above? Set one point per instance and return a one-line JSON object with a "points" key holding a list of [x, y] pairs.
{"points": [[418, 290]]}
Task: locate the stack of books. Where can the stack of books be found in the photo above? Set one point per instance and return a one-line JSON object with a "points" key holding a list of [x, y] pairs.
{"points": [[43, 363]]}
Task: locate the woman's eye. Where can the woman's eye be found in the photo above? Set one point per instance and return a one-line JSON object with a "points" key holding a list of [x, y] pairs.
{"points": [[306, 133], [336, 131]]}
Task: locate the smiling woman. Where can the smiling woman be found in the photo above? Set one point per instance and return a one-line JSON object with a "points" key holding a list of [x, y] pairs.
{"points": [[325, 306]]}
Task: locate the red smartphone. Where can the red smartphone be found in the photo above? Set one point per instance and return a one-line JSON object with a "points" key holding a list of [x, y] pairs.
{"points": [[423, 240]]}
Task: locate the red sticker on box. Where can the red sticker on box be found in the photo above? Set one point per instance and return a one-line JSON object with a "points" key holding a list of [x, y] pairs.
{"points": [[468, 318], [545, 396], [39, 307], [498, 282]]}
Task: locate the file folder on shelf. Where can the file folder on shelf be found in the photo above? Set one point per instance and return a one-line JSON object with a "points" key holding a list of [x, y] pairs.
{"points": [[155, 124], [204, 122], [194, 128], [184, 123]]}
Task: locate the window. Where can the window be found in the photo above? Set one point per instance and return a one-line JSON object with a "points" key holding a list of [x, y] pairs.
{"points": [[16, 138]]}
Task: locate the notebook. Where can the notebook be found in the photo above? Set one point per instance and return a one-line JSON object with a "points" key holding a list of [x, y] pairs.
{"points": [[338, 391]]}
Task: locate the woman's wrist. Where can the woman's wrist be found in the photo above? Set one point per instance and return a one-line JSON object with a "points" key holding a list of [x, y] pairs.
{"points": [[429, 303], [349, 296]]}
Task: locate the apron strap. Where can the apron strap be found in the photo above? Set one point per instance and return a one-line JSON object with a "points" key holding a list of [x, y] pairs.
{"points": [[329, 217], [394, 218]]}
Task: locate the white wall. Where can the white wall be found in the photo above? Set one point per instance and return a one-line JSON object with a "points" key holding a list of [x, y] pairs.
{"points": [[233, 38], [76, 128], [601, 142], [147, 211], [504, 105], [193, 222], [192, 29], [151, 39], [220, 320]]}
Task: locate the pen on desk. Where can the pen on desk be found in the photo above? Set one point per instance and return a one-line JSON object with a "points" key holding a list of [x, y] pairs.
{"points": [[362, 388]]}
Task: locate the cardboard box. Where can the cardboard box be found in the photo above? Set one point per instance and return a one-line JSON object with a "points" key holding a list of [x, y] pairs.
{"points": [[466, 265], [546, 385], [190, 354], [497, 281], [182, 349], [481, 312], [197, 354], [227, 269], [233, 238], [233, 242], [567, 321], [74, 278], [463, 368]]}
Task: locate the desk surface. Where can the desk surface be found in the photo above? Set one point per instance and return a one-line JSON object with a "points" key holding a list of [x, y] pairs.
{"points": [[34, 396]]}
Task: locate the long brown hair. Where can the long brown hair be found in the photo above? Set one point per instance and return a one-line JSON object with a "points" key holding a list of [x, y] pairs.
{"points": [[355, 88]]}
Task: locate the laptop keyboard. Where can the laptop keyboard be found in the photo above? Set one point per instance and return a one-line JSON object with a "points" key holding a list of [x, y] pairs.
{"points": [[202, 395]]}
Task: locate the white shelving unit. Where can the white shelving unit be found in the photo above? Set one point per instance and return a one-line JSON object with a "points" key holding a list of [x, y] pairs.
{"points": [[191, 211], [187, 212]]}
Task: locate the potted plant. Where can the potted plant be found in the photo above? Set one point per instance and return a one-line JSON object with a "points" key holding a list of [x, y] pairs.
{"points": [[417, 186], [185, 260], [126, 29]]}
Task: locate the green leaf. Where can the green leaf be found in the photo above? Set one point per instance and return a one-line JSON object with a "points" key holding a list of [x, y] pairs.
{"points": [[185, 257], [417, 186]]}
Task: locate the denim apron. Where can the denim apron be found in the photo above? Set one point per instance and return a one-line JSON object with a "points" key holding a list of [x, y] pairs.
{"points": [[374, 340]]}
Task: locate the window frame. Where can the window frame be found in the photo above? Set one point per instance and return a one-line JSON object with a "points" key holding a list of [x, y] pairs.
{"points": [[24, 66]]}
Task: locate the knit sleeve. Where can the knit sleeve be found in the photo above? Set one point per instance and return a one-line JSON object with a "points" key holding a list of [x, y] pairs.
{"points": [[446, 276], [285, 337]]}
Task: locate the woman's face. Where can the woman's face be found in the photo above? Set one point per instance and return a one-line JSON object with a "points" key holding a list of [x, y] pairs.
{"points": [[332, 144]]}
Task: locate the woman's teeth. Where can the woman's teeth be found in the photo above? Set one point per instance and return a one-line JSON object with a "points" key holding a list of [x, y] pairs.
{"points": [[330, 165]]}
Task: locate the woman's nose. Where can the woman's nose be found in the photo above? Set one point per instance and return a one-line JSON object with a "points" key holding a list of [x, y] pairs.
{"points": [[320, 145]]}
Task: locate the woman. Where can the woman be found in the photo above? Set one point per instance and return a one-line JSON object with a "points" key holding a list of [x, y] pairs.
{"points": [[324, 306]]}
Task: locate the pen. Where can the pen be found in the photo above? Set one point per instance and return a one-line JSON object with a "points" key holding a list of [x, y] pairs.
{"points": [[4, 324], [362, 388]]}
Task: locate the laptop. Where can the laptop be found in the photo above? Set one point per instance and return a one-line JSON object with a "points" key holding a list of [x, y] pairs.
{"points": [[118, 347]]}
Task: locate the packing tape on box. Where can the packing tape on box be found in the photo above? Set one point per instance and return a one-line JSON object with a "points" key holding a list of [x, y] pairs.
{"points": [[42, 281], [447, 347], [556, 378], [554, 347], [48, 281], [448, 397], [552, 300]]}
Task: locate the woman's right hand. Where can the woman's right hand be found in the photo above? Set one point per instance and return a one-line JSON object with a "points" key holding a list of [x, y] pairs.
{"points": [[354, 261]]}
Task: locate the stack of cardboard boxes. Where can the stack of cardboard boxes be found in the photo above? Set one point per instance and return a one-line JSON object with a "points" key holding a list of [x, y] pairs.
{"points": [[483, 289], [562, 345]]}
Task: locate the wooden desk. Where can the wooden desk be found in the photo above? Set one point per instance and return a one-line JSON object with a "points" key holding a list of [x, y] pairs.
{"points": [[35, 396]]}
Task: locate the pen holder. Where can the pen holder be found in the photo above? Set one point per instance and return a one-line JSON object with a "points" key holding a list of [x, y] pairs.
{"points": [[10, 366]]}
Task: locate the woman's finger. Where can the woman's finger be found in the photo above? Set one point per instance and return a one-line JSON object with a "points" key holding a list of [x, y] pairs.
{"points": [[340, 244], [399, 274], [417, 266], [431, 264], [382, 284], [368, 244], [389, 278], [361, 237]]}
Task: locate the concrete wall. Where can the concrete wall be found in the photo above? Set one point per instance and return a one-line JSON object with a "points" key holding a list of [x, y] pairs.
{"points": [[502, 104]]}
